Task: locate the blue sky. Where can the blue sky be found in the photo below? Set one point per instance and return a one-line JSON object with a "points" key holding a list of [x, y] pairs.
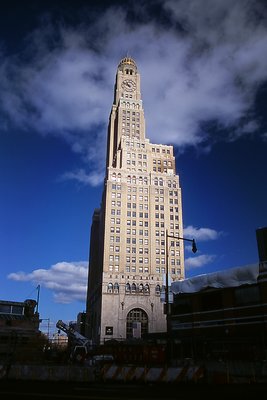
{"points": [[203, 67]]}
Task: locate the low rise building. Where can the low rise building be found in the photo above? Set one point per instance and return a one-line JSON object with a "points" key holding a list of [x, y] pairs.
{"points": [[19, 329], [222, 315]]}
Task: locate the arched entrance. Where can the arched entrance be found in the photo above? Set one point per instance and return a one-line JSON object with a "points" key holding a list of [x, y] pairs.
{"points": [[136, 323]]}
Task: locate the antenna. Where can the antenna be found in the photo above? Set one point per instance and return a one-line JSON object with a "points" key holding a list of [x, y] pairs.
{"points": [[38, 296]]}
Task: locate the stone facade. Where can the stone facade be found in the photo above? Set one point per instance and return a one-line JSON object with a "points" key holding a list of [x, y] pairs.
{"points": [[141, 201]]}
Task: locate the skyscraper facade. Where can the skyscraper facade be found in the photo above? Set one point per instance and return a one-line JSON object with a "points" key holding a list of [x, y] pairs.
{"points": [[141, 201]]}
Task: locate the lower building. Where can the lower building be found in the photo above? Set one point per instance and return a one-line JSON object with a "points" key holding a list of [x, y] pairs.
{"points": [[19, 330], [222, 315]]}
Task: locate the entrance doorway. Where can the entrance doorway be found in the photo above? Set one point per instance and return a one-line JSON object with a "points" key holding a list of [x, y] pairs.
{"points": [[136, 323]]}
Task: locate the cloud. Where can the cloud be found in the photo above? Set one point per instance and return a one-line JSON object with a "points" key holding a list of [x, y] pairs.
{"points": [[66, 280], [198, 261], [201, 234], [93, 179], [201, 69]]}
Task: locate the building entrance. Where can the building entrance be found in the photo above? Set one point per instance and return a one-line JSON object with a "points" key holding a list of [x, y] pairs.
{"points": [[136, 323]]}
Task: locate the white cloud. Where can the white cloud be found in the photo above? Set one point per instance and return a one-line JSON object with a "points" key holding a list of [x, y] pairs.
{"points": [[201, 234], [198, 261], [93, 179], [209, 70], [66, 280]]}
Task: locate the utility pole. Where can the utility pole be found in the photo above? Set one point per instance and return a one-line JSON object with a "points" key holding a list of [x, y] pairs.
{"points": [[194, 250]]}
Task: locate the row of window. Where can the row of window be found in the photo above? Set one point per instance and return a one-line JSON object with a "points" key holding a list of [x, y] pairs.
{"points": [[142, 241], [130, 113], [161, 169], [141, 206], [140, 198], [158, 270], [132, 105], [129, 71], [130, 116], [138, 164], [140, 223], [127, 95], [164, 162], [130, 232], [142, 181], [127, 131], [160, 150], [135, 143], [141, 250], [144, 268], [133, 288], [140, 155], [132, 125]]}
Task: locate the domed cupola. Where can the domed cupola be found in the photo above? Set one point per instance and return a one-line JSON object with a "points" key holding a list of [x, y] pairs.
{"points": [[127, 65]]}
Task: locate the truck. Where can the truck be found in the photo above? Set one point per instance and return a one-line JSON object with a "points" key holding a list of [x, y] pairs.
{"points": [[80, 346]]}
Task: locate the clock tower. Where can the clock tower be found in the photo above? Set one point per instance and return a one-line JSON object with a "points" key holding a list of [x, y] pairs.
{"points": [[141, 200]]}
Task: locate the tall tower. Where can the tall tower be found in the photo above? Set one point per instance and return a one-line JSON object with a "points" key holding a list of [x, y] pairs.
{"points": [[141, 200]]}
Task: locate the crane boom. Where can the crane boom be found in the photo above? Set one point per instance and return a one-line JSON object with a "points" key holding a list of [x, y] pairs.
{"points": [[73, 334]]}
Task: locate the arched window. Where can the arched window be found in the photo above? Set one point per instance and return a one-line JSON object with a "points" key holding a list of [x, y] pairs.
{"points": [[141, 288], [128, 288], [146, 288], [133, 288], [110, 287], [157, 290], [116, 287]]}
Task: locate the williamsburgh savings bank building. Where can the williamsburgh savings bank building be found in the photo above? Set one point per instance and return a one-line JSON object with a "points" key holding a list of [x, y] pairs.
{"points": [[141, 201]]}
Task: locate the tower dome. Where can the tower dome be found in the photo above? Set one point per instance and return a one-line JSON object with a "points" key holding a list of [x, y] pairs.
{"points": [[127, 61], [127, 65]]}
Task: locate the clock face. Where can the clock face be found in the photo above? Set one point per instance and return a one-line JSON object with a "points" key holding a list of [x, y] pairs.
{"points": [[128, 85]]}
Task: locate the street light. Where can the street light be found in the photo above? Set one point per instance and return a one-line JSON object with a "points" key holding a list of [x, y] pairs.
{"points": [[194, 250]]}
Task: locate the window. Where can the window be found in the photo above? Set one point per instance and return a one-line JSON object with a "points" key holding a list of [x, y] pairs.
{"points": [[116, 287], [157, 290]]}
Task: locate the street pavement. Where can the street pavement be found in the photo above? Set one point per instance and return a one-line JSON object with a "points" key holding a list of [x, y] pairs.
{"points": [[17, 389]]}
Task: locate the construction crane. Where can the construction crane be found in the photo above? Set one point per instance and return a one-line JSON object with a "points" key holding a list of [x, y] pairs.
{"points": [[80, 344]]}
